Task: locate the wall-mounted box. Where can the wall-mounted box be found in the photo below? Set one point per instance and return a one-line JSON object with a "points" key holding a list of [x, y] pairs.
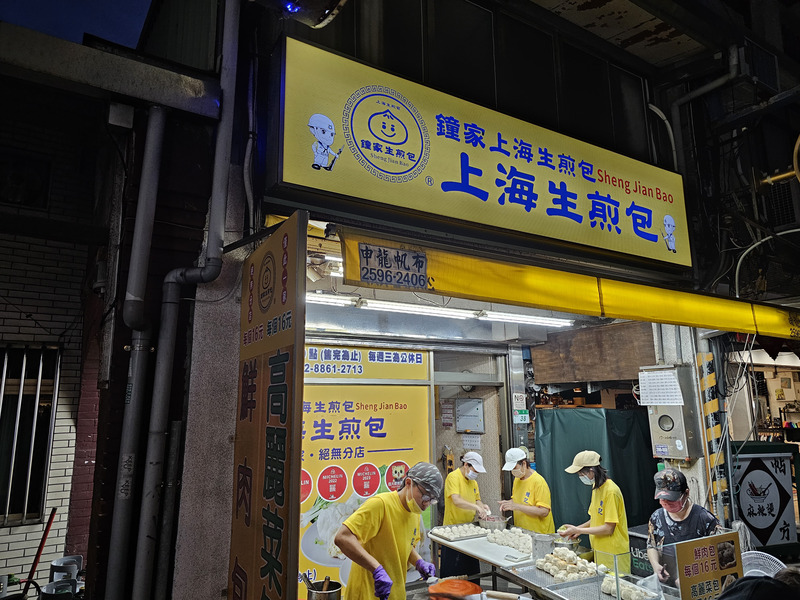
{"points": [[674, 427]]}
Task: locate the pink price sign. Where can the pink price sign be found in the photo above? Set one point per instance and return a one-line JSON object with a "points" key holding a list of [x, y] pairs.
{"points": [[366, 480], [332, 483]]}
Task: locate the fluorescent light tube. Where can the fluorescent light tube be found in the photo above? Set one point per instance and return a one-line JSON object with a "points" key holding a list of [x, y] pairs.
{"points": [[504, 317], [330, 299], [428, 310]]}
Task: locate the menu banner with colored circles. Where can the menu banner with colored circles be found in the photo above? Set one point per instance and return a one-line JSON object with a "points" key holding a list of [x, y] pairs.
{"points": [[357, 441]]}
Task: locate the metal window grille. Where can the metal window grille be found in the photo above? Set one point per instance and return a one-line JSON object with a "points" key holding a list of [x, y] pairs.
{"points": [[28, 399]]}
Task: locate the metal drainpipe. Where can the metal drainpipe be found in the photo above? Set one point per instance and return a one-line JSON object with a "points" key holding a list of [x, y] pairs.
{"points": [[733, 69], [171, 487], [668, 127], [159, 413], [134, 317]]}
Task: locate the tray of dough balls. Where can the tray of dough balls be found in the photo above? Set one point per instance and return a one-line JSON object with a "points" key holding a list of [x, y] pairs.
{"points": [[586, 589], [627, 589], [562, 565], [456, 533], [517, 542]]}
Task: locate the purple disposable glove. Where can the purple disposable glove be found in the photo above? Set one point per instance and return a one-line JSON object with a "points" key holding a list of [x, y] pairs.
{"points": [[383, 583], [425, 568]]}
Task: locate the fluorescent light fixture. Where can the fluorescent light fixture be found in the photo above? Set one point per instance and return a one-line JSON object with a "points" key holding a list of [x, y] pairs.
{"points": [[504, 317], [433, 310], [331, 299], [334, 258], [428, 310]]}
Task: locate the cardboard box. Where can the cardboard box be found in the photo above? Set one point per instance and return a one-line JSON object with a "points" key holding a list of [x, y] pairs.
{"points": [[608, 397]]}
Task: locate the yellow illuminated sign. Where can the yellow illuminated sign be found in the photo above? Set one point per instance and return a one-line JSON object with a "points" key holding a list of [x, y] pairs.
{"points": [[355, 131], [489, 280], [342, 362]]}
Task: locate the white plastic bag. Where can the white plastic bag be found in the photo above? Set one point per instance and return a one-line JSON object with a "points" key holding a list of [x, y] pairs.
{"points": [[651, 584]]}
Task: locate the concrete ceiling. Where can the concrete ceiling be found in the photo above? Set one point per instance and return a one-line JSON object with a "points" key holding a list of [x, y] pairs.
{"points": [[629, 27]]}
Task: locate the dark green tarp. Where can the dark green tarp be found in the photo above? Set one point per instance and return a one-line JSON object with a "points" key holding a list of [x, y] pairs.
{"points": [[621, 437]]}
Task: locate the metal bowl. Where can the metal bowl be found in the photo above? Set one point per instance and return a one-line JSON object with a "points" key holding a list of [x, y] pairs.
{"points": [[494, 522], [560, 542]]}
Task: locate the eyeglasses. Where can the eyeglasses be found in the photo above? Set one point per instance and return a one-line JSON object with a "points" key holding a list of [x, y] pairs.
{"points": [[425, 495]]}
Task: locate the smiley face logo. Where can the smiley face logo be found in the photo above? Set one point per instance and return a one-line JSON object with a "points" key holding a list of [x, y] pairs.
{"points": [[388, 128], [267, 278], [386, 133]]}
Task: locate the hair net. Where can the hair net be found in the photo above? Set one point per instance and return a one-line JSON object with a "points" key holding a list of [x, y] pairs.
{"points": [[428, 476]]}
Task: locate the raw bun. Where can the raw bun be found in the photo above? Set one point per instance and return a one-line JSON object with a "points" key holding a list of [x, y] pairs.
{"points": [[564, 565], [458, 532], [627, 590], [515, 538]]}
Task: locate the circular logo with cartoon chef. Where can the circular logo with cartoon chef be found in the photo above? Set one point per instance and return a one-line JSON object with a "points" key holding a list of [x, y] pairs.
{"points": [[267, 276], [386, 133]]}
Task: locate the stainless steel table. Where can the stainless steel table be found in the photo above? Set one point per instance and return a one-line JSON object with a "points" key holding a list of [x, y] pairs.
{"points": [[499, 557]]}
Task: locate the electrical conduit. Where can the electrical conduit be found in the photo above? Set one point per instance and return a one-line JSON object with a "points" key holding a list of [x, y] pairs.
{"points": [[675, 109], [151, 494], [134, 317]]}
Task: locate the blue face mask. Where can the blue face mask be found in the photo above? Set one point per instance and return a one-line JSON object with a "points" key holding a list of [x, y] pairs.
{"points": [[472, 475], [585, 480]]}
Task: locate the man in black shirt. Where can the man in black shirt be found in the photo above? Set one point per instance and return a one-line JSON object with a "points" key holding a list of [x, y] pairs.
{"points": [[678, 520]]}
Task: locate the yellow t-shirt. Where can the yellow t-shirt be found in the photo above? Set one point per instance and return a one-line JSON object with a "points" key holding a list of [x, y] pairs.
{"points": [[388, 532], [533, 491], [456, 483], [608, 506]]}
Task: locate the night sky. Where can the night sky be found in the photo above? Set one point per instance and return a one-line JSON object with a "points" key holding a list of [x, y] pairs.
{"points": [[118, 21]]}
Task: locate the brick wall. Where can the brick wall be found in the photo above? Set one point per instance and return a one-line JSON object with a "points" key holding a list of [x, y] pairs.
{"points": [[40, 303], [80, 506]]}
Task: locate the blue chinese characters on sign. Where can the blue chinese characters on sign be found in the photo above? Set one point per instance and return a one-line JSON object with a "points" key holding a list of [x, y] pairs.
{"points": [[331, 420], [516, 186]]}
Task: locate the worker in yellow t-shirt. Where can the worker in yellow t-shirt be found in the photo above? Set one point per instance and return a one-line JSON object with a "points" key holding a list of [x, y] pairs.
{"points": [[381, 536], [530, 495], [462, 501], [607, 526]]}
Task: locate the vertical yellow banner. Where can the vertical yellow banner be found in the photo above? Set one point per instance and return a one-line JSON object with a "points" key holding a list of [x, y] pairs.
{"points": [[366, 421], [264, 540]]}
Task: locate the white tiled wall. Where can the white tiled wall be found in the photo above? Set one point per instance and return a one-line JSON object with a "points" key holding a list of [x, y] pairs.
{"points": [[40, 285]]}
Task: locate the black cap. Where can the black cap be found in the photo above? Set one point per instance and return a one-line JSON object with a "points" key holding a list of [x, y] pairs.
{"points": [[670, 485]]}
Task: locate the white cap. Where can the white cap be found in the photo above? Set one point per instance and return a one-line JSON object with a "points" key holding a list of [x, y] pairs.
{"points": [[474, 459], [513, 456]]}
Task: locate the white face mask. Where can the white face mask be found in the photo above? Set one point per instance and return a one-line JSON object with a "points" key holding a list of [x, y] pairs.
{"points": [[472, 475], [585, 480]]}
